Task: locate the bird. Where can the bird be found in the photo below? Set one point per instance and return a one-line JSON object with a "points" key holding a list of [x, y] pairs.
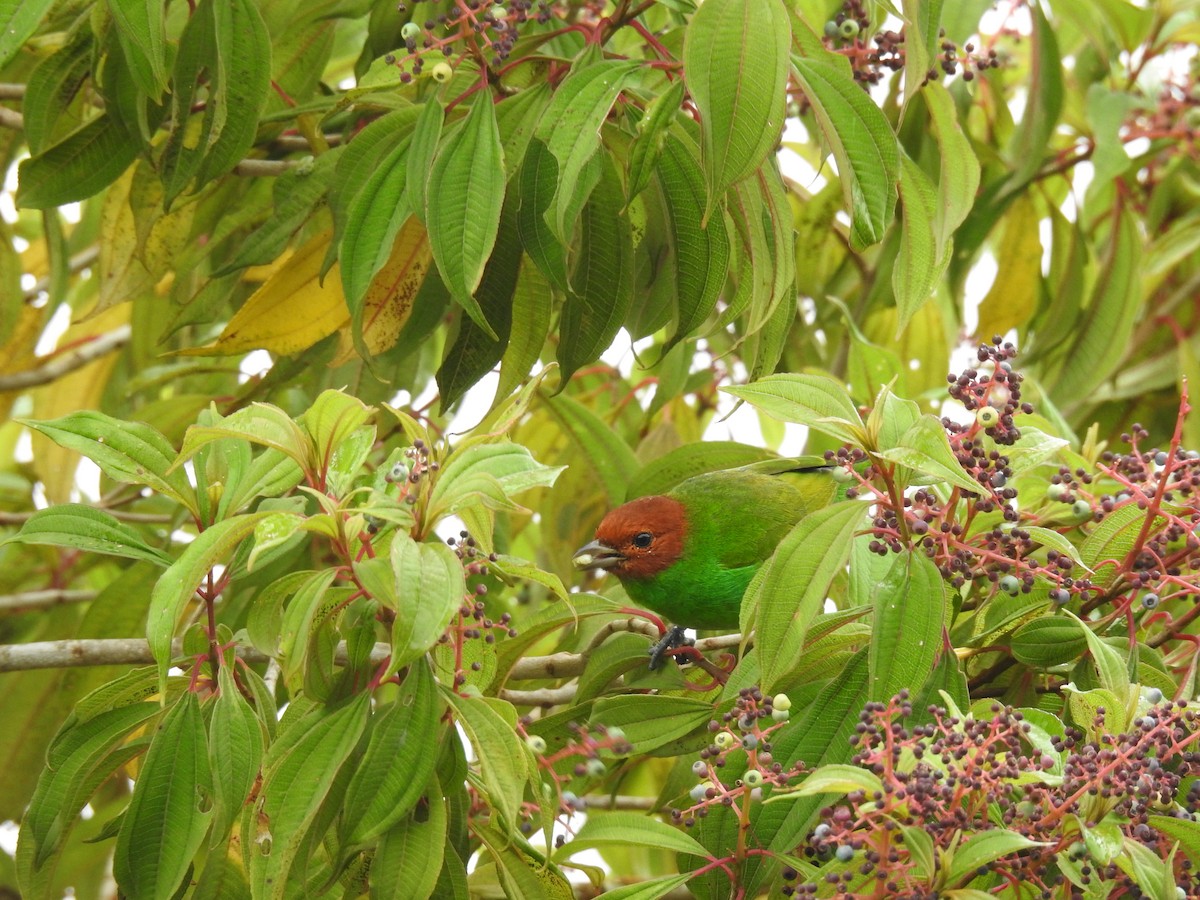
{"points": [[690, 553]]}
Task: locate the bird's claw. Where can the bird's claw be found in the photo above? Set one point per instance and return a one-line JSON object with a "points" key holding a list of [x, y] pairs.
{"points": [[672, 640]]}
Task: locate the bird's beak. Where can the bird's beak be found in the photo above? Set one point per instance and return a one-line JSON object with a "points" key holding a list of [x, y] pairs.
{"points": [[597, 556]]}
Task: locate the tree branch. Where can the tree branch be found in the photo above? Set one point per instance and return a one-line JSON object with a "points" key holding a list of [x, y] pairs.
{"points": [[29, 600], [65, 363], [264, 167], [119, 651], [76, 263], [10, 118], [10, 91]]}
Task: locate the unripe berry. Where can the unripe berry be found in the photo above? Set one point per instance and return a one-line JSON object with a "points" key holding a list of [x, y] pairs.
{"points": [[1010, 585], [1149, 601], [1081, 508], [848, 29], [699, 768], [780, 715], [987, 416], [781, 702], [499, 13], [753, 778], [596, 768], [697, 793], [723, 739], [1057, 491], [831, 29], [536, 743], [441, 72], [844, 853], [411, 31]]}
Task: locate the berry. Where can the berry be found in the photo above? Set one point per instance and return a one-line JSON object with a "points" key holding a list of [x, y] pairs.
{"points": [[536, 743], [1010, 584], [699, 768], [753, 778], [724, 740], [831, 29], [848, 29], [410, 32], [1081, 508], [1149, 601], [844, 853], [781, 702], [596, 768], [441, 72], [987, 417], [1057, 491]]}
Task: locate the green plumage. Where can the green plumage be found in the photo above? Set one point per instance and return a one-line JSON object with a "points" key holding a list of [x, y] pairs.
{"points": [[735, 519]]}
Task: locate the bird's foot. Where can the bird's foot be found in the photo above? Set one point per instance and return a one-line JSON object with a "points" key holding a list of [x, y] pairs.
{"points": [[674, 639]]}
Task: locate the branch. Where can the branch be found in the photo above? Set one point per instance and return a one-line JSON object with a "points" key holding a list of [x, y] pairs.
{"points": [[568, 665], [76, 263], [10, 118], [258, 167], [28, 600], [119, 651], [540, 697], [68, 362], [11, 91]]}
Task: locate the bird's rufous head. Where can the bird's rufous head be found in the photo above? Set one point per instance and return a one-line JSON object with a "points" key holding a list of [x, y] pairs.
{"points": [[638, 539]]}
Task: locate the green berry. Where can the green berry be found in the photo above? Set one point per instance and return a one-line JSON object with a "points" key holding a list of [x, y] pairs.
{"points": [[987, 416], [831, 29], [1057, 491], [1081, 508], [780, 715], [1010, 585], [848, 29], [596, 768], [441, 72], [499, 13], [781, 702], [411, 31], [724, 740], [753, 778], [536, 743]]}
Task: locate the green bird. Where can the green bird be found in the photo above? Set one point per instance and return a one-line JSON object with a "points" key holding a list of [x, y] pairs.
{"points": [[689, 554]]}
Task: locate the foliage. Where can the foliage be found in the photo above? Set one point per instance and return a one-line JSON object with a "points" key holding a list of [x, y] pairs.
{"points": [[362, 672]]}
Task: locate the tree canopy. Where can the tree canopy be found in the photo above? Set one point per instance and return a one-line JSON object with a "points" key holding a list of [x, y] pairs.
{"points": [[282, 615]]}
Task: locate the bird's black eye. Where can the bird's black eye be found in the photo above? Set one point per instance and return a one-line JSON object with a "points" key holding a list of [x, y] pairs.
{"points": [[643, 539]]}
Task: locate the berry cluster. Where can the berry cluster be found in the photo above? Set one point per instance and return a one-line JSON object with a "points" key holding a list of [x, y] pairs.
{"points": [[472, 622], [409, 474], [579, 758], [484, 27], [956, 778], [844, 34], [744, 730]]}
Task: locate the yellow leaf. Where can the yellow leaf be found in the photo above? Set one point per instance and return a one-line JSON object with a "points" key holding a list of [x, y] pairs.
{"points": [[290, 312], [17, 354], [389, 299], [1012, 299]]}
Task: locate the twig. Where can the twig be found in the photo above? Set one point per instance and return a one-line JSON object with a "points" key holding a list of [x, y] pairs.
{"points": [[540, 697], [264, 167], [11, 91], [76, 263], [568, 665], [10, 118], [621, 801], [68, 362], [28, 600], [118, 651]]}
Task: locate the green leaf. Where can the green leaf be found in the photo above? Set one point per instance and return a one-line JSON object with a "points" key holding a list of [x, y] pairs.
{"points": [[1186, 831], [505, 763], [701, 250], [1113, 539], [298, 773], [409, 857], [1111, 667], [606, 450], [333, 417], [19, 19], [488, 474], [259, 423], [735, 62], [79, 166], [463, 204], [862, 142], [910, 614], [958, 179], [537, 185], [1048, 641], [925, 448], [983, 848], [51, 87], [650, 889], [394, 771], [178, 583], [532, 306], [790, 589], [143, 39], [570, 129], [429, 590], [171, 806], [129, 452], [235, 754], [838, 778], [1031, 142], [601, 285], [373, 220], [817, 401], [1153, 875], [652, 131], [650, 721], [86, 528], [425, 138], [920, 263], [84, 752], [603, 829]]}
